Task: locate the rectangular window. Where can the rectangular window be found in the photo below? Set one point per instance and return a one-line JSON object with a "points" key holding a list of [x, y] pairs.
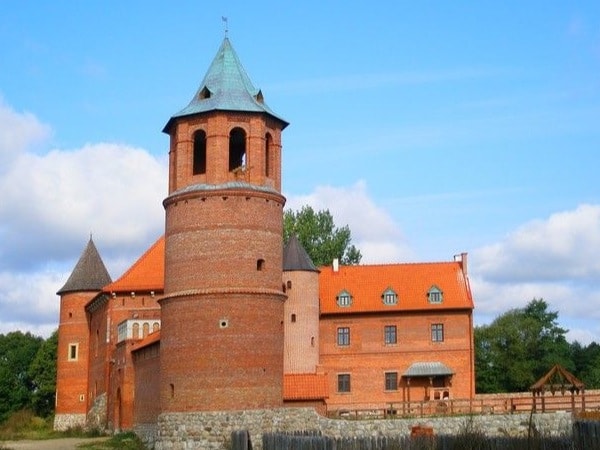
{"points": [[389, 334], [437, 332], [344, 382], [73, 352], [344, 300], [343, 336], [391, 381], [435, 297]]}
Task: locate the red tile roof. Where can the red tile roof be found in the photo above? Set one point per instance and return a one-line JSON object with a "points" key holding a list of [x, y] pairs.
{"points": [[411, 283], [146, 274], [148, 340], [305, 386]]}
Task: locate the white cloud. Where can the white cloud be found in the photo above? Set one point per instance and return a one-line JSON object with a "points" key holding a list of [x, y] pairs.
{"points": [[29, 300], [52, 201], [57, 199], [374, 232], [18, 132], [564, 246], [554, 259]]}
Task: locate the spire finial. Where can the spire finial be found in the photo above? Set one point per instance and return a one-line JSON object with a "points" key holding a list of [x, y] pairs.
{"points": [[224, 19]]}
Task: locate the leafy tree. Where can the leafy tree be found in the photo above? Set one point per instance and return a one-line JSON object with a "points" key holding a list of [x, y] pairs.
{"points": [[319, 236], [518, 347], [17, 351], [587, 363], [42, 373]]}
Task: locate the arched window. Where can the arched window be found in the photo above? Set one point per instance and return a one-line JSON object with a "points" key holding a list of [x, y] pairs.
{"points": [[199, 163], [146, 329], [237, 149], [136, 330], [268, 145]]}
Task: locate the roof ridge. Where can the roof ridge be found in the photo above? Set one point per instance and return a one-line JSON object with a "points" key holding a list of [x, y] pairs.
{"points": [[136, 264]]}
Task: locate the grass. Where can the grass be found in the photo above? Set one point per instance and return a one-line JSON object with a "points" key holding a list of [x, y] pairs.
{"points": [[26, 425]]}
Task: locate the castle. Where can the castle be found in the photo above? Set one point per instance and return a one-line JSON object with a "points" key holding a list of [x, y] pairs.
{"points": [[218, 316]]}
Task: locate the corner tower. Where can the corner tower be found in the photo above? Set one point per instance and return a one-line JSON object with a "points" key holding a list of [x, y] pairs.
{"points": [[222, 310], [86, 281]]}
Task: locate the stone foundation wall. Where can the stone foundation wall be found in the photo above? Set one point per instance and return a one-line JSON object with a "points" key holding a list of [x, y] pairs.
{"points": [[212, 430], [63, 422], [96, 416]]}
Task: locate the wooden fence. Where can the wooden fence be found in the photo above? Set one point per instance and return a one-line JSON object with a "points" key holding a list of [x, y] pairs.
{"points": [[479, 405]]}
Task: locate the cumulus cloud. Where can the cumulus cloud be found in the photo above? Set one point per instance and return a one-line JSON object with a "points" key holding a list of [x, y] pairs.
{"points": [[565, 246], [374, 232], [52, 201], [554, 259], [18, 132]]}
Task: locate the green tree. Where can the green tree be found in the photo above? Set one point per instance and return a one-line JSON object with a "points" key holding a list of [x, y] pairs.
{"points": [[587, 363], [518, 347], [319, 236], [42, 373], [17, 351]]}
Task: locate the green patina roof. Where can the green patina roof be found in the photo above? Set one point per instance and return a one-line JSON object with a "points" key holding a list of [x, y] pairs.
{"points": [[226, 87]]}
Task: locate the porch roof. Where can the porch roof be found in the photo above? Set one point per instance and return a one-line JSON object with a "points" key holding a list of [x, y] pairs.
{"points": [[428, 369]]}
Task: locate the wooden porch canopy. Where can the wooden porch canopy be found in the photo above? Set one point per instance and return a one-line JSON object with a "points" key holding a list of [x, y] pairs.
{"points": [[558, 380]]}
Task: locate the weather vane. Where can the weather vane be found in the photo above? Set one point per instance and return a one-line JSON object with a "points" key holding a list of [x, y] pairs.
{"points": [[224, 19]]}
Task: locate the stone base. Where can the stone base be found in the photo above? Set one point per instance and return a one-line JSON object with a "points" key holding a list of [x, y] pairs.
{"points": [[63, 422]]}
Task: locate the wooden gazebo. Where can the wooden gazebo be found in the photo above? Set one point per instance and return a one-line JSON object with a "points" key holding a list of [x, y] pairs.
{"points": [[558, 380]]}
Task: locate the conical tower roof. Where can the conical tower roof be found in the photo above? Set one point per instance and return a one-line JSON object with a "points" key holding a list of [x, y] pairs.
{"points": [[89, 274], [295, 257], [226, 87]]}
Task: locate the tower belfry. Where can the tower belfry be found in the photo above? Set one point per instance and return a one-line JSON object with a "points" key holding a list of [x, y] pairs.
{"points": [[222, 310]]}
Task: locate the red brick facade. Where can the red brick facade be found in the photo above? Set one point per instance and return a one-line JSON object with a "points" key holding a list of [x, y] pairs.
{"points": [[73, 353], [232, 322]]}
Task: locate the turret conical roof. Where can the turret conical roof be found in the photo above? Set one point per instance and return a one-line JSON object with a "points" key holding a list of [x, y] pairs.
{"points": [[226, 87], [295, 257], [89, 274]]}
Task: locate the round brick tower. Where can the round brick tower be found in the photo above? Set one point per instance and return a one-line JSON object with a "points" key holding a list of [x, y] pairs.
{"points": [[222, 311], [85, 282]]}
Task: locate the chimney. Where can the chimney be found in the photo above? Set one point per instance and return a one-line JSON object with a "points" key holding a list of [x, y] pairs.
{"points": [[336, 265], [462, 259]]}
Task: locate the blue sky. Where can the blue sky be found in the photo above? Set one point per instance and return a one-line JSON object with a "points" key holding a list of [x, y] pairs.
{"points": [[431, 129]]}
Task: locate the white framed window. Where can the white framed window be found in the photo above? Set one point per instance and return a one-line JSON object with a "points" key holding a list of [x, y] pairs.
{"points": [[73, 354], [389, 297], [344, 299], [435, 295]]}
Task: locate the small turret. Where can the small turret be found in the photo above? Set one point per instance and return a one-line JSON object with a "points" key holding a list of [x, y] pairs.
{"points": [[86, 281], [301, 322]]}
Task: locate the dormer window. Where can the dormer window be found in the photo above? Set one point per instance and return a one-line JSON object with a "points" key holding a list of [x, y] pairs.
{"points": [[435, 295], [259, 97], [344, 299], [204, 93], [389, 297]]}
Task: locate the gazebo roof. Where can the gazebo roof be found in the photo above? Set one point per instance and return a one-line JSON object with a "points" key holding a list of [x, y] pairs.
{"points": [[557, 379]]}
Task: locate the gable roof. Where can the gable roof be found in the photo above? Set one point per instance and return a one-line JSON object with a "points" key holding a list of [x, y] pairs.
{"points": [[295, 257], [557, 378], [146, 274], [305, 386], [226, 87], [411, 282], [89, 274]]}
